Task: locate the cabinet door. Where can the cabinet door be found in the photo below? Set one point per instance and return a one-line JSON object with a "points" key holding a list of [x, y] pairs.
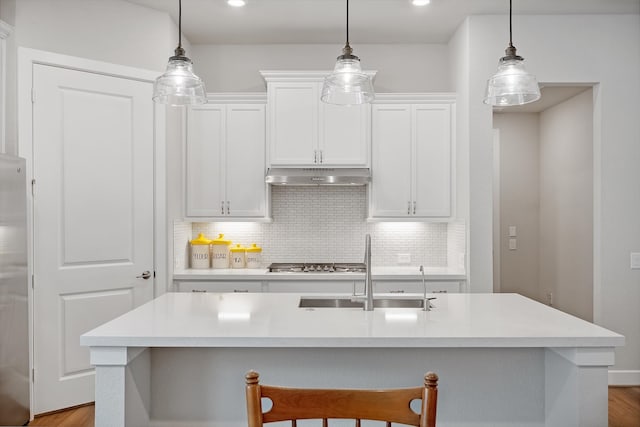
{"points": [[293, 123], [214, 286], [245, 149], [413, 287], [204, 160], [432, 160], [344, 135], [391, 160], [312, 286]]}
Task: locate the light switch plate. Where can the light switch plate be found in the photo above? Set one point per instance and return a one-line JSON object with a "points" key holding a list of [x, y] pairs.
{"points": [[635, 260], [512, 231], [513, 244]]}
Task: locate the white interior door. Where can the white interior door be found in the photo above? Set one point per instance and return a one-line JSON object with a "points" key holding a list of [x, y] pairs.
{"points": [[93, 219]]}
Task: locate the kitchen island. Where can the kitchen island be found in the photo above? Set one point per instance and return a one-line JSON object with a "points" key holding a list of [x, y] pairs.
{"points": [[502, 359]]}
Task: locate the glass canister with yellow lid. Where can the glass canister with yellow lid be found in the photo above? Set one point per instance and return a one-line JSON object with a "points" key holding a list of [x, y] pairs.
{"points": [[200, 257], [254, 256], [220, 252], [238, 256]]}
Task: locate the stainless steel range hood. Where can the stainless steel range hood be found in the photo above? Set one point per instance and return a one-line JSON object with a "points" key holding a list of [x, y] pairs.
{"points": [[318, 176]]}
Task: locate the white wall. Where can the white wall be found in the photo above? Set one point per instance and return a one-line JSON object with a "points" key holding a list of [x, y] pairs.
{"points": [[573, 49], [113, 31], [459, 81], [566, 205], [519, 201], [401, 68]]}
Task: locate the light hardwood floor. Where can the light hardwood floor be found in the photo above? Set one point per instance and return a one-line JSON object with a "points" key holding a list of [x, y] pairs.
{"points": [[624, 411]]}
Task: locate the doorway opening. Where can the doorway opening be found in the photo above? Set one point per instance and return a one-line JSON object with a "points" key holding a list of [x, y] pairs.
{"points": [[543, 207]]}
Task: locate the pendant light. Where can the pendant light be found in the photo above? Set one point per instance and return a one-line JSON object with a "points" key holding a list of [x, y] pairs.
{"points": [[347, 85], [511, 84], [178, 85]]}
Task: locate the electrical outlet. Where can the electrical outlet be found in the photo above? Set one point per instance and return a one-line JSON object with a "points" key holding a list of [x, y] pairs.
{"points": [[513, 245], [404, 258], [512, 231]]}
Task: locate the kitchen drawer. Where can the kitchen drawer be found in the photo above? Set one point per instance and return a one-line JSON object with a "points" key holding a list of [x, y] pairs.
{"points": [[412, 287], [313, 286], [222, 286]]}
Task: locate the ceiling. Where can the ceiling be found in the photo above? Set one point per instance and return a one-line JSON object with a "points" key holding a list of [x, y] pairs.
{"points": [[371, 21]]}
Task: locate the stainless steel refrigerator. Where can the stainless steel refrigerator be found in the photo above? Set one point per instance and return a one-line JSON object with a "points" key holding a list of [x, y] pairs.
{"points": [[14, 308]]}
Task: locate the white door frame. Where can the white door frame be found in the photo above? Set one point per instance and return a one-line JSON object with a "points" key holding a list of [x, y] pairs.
{"points": [[27, 58]]}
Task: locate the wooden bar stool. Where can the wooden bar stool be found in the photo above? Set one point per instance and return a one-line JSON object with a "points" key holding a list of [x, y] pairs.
{"points": [[391, 405]]}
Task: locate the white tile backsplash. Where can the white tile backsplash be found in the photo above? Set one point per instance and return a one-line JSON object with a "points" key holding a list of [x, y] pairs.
{"points": [[328, 224]]}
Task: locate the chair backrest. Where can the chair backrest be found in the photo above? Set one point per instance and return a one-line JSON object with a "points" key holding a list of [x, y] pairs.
{"points": [[391, 405]]}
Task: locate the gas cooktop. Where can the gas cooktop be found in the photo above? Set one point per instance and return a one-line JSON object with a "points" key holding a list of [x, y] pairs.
{"points": [[320, 267]]}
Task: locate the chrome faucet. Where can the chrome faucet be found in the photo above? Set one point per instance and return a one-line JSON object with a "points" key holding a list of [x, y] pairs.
{"points": [[427, 301], [367, 297], [368, 283]]}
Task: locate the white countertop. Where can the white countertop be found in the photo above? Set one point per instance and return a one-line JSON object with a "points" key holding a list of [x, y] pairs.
{"points": [[377, 273], [274, 320]]}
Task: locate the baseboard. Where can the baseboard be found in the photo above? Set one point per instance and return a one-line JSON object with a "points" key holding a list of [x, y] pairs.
{"points": [[624, 378]]}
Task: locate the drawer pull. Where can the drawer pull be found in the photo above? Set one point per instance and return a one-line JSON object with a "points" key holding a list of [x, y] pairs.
{"points": [[397, 291], [241, 290], [198, 290]]}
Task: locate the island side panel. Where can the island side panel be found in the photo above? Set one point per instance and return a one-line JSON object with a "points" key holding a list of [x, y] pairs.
{"points": [[123, 386], [478, 386], [577, 386]]}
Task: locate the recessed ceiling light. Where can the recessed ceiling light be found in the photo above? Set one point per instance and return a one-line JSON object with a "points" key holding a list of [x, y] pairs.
{"points": [[420, 2], [236, 3]]}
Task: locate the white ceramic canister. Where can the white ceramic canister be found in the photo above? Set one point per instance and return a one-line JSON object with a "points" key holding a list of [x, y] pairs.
{"points": [[220, 252], [200, 257], [238, 256], [254, 256]]}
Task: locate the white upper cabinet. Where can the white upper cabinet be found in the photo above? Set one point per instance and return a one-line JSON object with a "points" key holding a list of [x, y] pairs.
{"points": [[304, 131], [412, 152], [225, 160]]}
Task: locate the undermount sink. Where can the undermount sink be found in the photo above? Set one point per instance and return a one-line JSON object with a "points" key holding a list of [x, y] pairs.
{"points": [[313, 302]]}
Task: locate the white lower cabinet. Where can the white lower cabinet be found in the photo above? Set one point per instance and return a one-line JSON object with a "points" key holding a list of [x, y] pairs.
{"points": [[218, 286], [314, 286], [412, 287]]}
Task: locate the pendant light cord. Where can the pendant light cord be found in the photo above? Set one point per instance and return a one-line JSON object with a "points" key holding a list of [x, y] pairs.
{"points": [[348, 22], [180, 23], [510, 27]]}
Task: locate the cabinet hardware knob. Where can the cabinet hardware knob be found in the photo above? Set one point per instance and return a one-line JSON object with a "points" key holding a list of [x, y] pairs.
{"points": [[414, 207], [409, 207], [228, 207], [315, 156], [222, 207], [320, 156]]}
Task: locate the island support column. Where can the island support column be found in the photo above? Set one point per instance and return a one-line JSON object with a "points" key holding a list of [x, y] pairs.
{"points": [[123, 385], [576, 386]]}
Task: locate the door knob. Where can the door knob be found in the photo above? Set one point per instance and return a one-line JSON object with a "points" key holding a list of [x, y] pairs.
{"points": [[145, 275]]}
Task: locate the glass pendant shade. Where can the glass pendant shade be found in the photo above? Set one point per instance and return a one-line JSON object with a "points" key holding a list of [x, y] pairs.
{"points": [[178, 85], [511, 84], [347, 85]]}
